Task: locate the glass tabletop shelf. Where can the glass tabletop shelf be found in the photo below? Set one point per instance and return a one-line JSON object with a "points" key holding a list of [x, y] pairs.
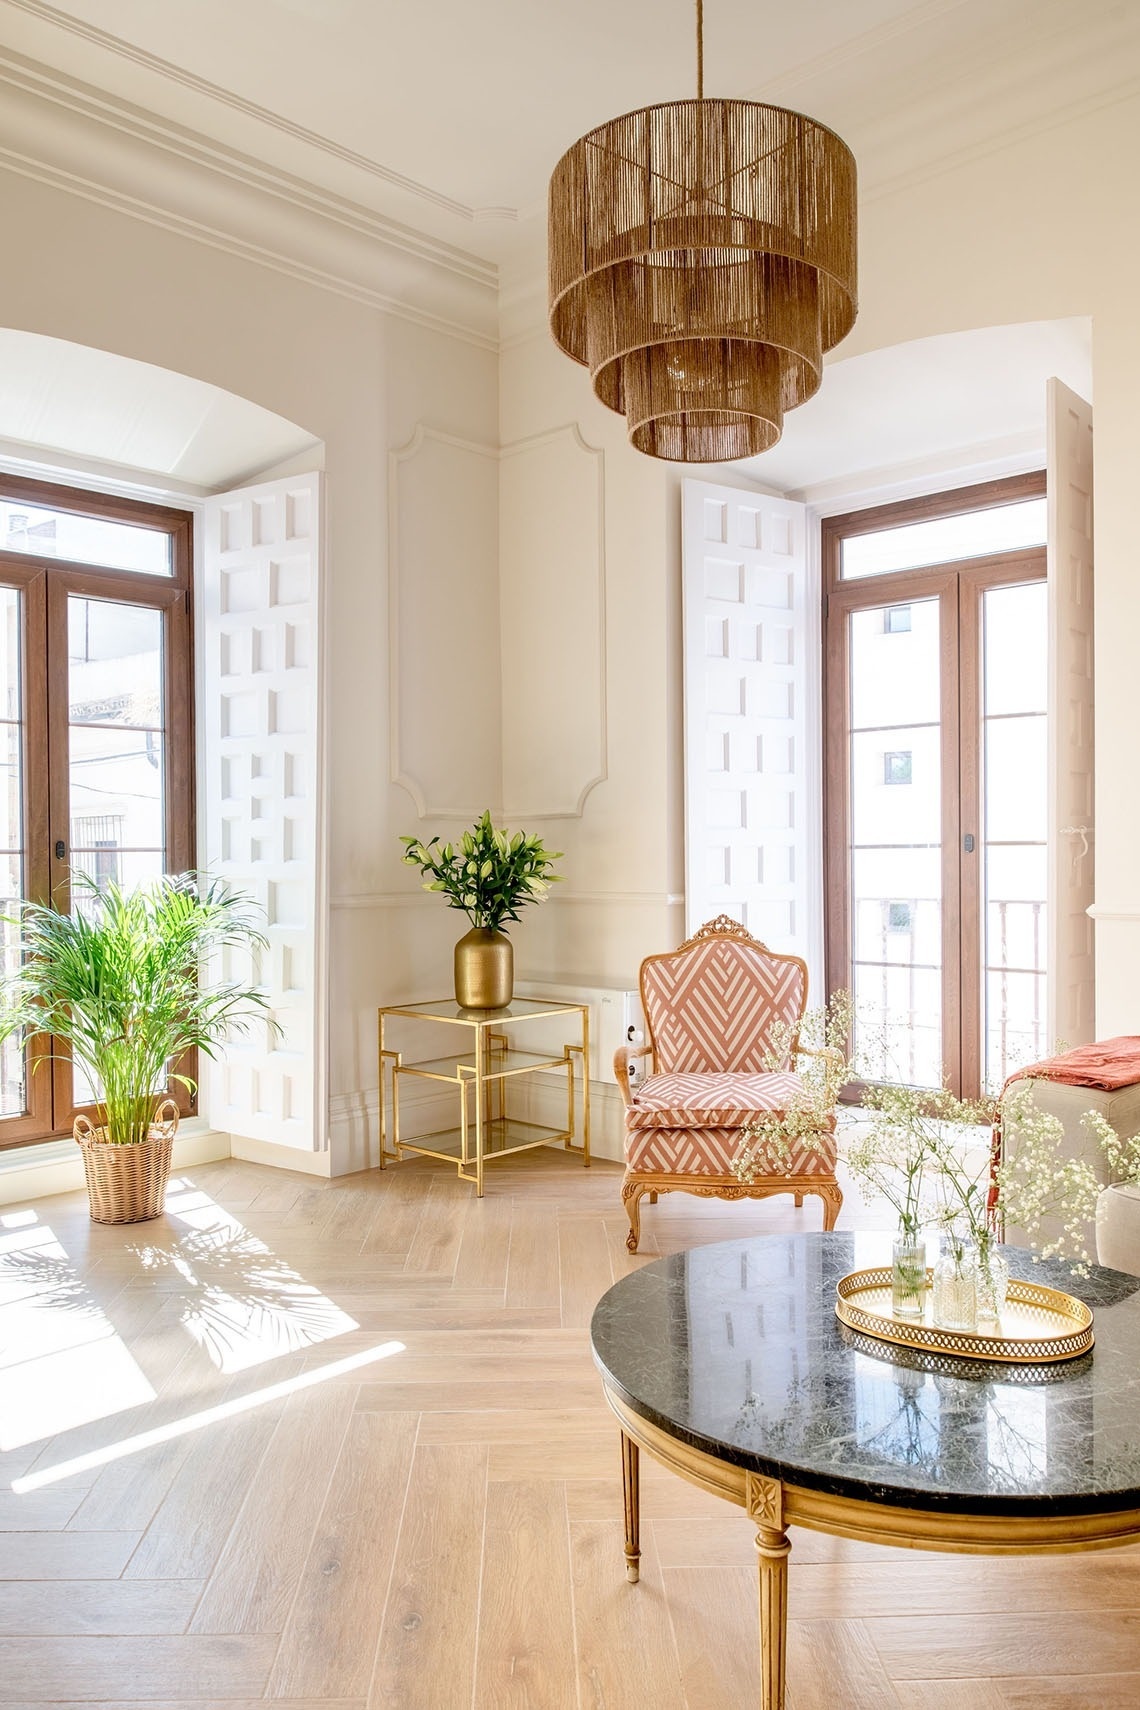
{"points": [[500, 1136], [496, 1067]]}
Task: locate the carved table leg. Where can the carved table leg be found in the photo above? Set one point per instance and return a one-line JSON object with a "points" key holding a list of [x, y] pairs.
{"points": [[631, 1490], [766, 1507]]}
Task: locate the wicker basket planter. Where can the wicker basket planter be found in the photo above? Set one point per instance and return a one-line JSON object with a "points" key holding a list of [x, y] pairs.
{"points": [[127, 1184]]}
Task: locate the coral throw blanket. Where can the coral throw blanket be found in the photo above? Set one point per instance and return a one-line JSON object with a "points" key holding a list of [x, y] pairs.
{"points": [[1107, 1065]]}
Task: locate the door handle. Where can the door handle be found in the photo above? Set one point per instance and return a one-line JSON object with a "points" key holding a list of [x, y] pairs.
{"points": [[968, 843], [60, 849]]}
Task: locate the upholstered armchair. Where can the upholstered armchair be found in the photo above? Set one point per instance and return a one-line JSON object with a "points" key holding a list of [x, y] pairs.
{"points": [[710, 1008]]}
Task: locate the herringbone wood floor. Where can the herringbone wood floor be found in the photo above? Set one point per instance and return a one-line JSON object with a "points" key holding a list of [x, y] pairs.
{"points": [[438, 1528]]}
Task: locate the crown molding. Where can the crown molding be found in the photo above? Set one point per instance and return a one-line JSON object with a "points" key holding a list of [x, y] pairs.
{"points": [[83, 99], [63, 134], [122, 49]]}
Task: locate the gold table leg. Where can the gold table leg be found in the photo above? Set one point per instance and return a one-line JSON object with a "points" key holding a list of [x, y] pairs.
{"points": [[765, 1500], [631, 1491]]}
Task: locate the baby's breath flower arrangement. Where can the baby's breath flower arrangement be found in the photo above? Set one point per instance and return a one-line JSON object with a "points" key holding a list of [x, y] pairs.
{"points": [[1036, 1182], [817, 1047], [488, 874]]}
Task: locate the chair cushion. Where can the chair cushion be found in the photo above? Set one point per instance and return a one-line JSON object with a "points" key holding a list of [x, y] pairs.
{"points": [[710, 1151], [708, 1101]]}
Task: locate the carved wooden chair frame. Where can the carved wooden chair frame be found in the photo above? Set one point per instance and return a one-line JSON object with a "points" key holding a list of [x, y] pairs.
{"points": [[654, 1182]]}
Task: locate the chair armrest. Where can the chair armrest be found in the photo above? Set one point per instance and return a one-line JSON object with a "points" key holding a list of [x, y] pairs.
{"points": [[830, 1055], [623, 1057], [819, 1051]]}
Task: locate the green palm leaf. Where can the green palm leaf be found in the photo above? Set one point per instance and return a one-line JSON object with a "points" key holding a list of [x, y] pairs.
{"points": [[124, 985]]}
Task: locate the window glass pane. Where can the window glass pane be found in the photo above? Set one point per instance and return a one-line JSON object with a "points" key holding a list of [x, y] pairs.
{"points": [[115, 707], [894, 674], [114, 664], [11, 792], [116, 790], [1014, 828], [886, 809], [13, 1084], [896, 856], [83, 540], [942, 540], [1015, 772], [1016, 648]]}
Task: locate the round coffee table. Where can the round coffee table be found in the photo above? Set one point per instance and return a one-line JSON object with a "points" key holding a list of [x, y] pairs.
{"points": [[727, 1365]]}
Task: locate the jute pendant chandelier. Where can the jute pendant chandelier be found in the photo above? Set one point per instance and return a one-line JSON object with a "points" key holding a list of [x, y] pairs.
{"points": [[702, 259]]}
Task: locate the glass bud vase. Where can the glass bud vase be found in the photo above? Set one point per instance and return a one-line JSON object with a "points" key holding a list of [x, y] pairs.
{"points": [[908, 1276], [955, 1288], [991, 1280]]}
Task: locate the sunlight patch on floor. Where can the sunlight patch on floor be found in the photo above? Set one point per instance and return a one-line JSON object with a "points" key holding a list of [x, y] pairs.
{"points": [[244, 1304], [62, 1363], [198, 1421]]}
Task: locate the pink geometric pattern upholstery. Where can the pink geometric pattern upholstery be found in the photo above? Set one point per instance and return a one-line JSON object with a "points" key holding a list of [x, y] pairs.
{"points": [[710, 1151], [711, 1008], [709, 1101]]}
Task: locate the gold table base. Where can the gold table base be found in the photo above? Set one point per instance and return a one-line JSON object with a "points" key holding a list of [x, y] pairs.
{"points": [[481, 1077], [775, 1505]]}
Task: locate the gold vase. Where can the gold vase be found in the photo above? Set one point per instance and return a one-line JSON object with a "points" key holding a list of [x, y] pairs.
{"points": [[484, 969]]}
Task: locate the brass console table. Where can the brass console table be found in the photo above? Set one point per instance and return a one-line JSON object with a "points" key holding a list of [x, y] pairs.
{"points": [[492, 1053]]}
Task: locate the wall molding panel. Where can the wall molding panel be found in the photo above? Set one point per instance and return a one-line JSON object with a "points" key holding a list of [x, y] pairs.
{"points": [[552, 582], [456, 617]]}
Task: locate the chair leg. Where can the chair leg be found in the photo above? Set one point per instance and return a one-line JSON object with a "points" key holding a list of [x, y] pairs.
{"points": [[631, 1193], [832, 1196]]}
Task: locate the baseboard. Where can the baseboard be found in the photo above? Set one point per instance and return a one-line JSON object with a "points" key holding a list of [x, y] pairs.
{"points": [[279, 1157], [354, 1124], [56, 1167]]}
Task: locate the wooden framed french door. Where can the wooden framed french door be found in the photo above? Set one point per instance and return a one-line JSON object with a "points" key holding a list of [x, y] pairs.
{"points": [[936, 788], [97, 759]]}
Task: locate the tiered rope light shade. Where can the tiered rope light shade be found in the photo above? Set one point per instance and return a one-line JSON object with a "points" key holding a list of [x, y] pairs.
{"points": [[702, 259]]}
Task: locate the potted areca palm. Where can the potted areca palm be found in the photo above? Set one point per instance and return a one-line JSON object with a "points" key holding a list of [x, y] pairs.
{"points": [[116, 984]]}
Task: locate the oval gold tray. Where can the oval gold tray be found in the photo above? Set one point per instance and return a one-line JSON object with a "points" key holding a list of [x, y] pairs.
{"points": [[1036, 1323]]}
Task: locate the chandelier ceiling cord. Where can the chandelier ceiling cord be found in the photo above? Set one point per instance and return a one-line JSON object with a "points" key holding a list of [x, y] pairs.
{"points": [[702, 260]]}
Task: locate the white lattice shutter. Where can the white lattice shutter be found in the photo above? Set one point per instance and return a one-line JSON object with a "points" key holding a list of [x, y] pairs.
{"points": [[750, 678], [1071, 985], [263, 816]]}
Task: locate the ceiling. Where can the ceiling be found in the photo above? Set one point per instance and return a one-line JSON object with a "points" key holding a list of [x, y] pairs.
{"points": [[95, 406], [971, 395], [448, 115]]}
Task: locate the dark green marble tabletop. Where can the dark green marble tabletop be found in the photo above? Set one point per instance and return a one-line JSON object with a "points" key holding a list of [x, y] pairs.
{"points": [[735, 1348]]}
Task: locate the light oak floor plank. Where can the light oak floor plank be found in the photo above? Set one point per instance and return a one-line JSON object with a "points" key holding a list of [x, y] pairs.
{"points": [[254, 1583], [97, 1606], [329, 1637], [936, 1645], [526, 1615], [193, 1521], [65, 1555], [426, 1656], [627, 1654], [43, 1670]]}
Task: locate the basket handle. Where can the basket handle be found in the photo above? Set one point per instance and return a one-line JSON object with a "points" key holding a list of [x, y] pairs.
{"points": [[165, 1118], [83, 1130]]}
